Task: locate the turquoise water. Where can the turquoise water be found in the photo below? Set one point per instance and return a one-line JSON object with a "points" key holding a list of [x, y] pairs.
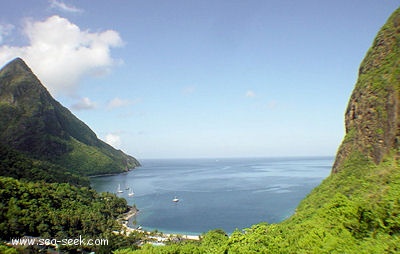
{"points": [[216, 193]]}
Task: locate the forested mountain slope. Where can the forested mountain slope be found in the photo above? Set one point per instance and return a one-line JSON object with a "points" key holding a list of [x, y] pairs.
{"points": [[34, 123], [46, 154]]}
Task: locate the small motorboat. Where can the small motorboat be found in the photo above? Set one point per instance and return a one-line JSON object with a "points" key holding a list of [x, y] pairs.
{"points": [[175, 200]]}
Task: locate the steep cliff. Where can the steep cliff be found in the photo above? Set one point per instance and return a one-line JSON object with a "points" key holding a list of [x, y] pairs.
{"points": [[372, 116]]}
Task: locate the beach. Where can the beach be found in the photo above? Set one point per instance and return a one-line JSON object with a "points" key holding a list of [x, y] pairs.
{"points": [[152, 237]]}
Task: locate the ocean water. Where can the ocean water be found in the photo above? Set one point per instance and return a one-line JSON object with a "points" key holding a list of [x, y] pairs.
{"points": [[216, 193]]}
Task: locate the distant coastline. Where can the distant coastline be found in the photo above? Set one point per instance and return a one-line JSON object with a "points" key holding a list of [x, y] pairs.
{"points": [[111, 174]]}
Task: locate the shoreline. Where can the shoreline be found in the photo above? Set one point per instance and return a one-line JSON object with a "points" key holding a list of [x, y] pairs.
{"points": [[159, 237], [112, 174]]}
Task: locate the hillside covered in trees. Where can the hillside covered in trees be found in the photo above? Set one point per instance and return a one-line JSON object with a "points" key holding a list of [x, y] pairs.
{"points": [[34, 123], [46, 156]]}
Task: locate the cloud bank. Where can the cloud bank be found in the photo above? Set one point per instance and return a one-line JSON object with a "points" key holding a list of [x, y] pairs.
{"points": [[61, 54]]}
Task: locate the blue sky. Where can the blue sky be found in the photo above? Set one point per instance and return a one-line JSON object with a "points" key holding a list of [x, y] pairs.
{"points": [[186, 79]]}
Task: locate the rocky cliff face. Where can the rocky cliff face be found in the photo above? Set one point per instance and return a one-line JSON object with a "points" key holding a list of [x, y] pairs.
{"points": [[372, 116]]}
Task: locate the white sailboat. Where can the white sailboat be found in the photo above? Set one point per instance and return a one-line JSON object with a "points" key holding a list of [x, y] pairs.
{"points": [[119, 189], [131, 193]]}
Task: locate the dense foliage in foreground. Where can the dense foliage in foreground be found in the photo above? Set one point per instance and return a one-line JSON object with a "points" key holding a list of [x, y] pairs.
{"points": [[40, 199], [354, 211], [56, 210], [60, 210]]}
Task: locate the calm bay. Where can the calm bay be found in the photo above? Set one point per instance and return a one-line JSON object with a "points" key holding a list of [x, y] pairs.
{"points": [[229, 194]]}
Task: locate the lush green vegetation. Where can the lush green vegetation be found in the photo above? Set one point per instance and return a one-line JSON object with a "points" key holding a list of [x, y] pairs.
{"points": [[56, 209], [89, 160], [41, 199], [46, 154], [17, 165], [59, 210], [7, 250]]}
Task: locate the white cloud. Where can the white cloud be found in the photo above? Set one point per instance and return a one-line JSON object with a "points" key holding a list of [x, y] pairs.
{"points": [[114, 140], [64, 7], [117, 103], [250, 94], [61, 54], [84, 104]]}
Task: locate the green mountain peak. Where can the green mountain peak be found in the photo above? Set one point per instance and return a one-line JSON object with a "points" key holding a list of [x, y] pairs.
{"points": [[17, 66], [33, 122]]}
